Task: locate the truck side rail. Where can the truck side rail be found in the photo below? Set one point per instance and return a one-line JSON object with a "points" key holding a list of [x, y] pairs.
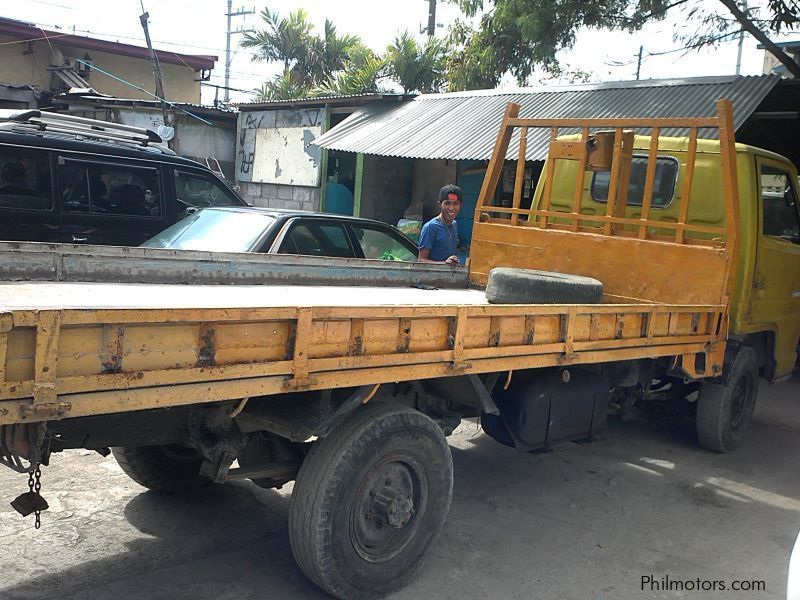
{"points": [[36, 261], [76, 362]]}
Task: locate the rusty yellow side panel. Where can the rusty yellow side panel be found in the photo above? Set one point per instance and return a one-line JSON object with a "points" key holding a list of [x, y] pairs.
{"points": [[628, 267], [72, 362]]}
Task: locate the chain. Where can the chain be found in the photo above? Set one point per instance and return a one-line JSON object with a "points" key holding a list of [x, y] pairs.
{"points": [[35, 484]]}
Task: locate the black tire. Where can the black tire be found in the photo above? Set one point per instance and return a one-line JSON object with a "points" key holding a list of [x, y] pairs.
{"points": [[526, 286], [171, 468], [369, 501], [724, 411]]}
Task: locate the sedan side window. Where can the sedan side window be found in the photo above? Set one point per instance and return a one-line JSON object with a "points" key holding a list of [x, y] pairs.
{"points": [[314, 239], [199, 191], [379, 245], [779, 204]]}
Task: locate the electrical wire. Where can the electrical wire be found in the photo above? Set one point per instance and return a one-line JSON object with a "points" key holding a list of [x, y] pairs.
{"points": [[141, 89]]}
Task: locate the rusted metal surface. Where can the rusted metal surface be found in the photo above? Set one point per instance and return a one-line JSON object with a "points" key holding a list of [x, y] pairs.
{"points": [[263, 351], [640, 259], [32, 261]]}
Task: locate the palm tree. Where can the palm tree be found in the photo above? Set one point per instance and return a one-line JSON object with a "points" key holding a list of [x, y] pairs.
{"points": [[360, 75], [309, 61], [415, 67], [330, 53], [284, 39], [282, 87]]}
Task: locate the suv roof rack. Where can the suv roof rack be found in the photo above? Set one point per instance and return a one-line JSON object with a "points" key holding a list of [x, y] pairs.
{"points": [[39, 120]]}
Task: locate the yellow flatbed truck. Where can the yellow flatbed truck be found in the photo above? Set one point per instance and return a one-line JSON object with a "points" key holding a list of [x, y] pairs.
{"points": [[349, 389]]}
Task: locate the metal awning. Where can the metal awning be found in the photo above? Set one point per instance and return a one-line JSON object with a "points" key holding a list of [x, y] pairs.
{"points": [[464, 125]]}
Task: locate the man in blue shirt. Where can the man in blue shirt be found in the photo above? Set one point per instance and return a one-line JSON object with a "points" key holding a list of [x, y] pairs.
{"points": [[438, 242]]}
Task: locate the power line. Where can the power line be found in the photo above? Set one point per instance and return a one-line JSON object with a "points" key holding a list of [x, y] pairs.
{"points": [[141, 89], [222, 87], [115, 36], [93, 11]]}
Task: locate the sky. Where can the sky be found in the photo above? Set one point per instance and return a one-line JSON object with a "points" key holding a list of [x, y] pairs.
{"points": [[198, 27]]}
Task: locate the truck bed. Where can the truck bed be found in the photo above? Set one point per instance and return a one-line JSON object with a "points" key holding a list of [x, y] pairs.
{"points": [[95, 296], [78, 349]]}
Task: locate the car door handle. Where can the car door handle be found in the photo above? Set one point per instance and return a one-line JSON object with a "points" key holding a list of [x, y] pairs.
{"points": [[79, 240]]}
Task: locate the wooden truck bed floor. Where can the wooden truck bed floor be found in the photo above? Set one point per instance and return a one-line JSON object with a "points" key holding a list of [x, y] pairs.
{"points": [[62, 295]]}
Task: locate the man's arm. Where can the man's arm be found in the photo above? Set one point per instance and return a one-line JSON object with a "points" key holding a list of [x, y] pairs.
{"points": [[424, 253]]}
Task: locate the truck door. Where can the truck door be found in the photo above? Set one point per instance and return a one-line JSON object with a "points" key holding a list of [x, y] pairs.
{"points": [[776, 284]]}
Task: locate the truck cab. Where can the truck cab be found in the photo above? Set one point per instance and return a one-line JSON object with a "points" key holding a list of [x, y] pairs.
{"points": [[765, 300]]}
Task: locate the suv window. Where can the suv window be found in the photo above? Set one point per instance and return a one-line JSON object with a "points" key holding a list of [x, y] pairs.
{"points": [[779, 204], [380, 245], [196, 190], [316, 239], [109, 189], [664, 182], [25, 180]]}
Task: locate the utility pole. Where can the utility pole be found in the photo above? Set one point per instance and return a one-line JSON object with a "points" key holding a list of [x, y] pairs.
{"points": [[431, 17], [151, 54], [230, 14], [639, 63], [741, 42]]}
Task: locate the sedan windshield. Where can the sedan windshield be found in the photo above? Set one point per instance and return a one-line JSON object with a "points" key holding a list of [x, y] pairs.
{"points": [[214, 231]]}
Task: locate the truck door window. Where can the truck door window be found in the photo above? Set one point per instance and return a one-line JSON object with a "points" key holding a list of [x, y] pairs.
{"points": [[109, 189], [779, 202], [315, 239], [25, 180], [666, 177], [196, 190], [379, 245]]}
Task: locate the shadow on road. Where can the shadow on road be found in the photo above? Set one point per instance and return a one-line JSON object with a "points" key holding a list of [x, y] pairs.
{"points": [[227, 541]]}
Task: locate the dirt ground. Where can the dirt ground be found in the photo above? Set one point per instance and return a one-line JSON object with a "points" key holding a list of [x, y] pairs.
{"points": [[585, 522]]}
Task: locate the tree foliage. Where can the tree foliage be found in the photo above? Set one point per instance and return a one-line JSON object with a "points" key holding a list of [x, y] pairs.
{"points": [[360, 74], [519, 36], [336, 64], [416, 67], [309, 60]]}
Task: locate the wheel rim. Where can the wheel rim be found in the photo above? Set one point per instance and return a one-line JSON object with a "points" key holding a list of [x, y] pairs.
{"points": [[740, 400], [390, 497]]}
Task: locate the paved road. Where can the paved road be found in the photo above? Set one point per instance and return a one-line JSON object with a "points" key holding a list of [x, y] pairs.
{"points": [[585, 522]]}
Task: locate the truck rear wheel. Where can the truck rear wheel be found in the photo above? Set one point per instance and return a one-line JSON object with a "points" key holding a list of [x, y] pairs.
{"points": [[527, 286], [724, 411], [169, 468], [369, 501]]}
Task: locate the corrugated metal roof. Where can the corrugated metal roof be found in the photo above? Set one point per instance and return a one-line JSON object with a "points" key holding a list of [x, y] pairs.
{"points": [[464, 125], [346, 100]]}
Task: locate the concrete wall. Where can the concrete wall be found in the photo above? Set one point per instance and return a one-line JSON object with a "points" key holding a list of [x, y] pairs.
{"points": [[249, 153], [386, 188], [193, 139], [20, 67], [270, 195]]}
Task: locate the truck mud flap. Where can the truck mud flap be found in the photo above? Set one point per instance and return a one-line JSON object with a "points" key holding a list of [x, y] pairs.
{"points": [[541, 407]]}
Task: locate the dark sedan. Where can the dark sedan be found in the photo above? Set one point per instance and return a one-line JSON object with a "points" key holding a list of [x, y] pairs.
{"points": [[239, 229]]}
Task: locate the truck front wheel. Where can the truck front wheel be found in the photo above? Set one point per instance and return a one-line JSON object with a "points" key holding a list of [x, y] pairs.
{"points": [[169, 468], [369, 501], [724, 411]]}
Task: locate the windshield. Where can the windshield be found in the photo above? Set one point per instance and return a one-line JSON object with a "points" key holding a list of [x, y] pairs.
{"points": [[214, 231]]}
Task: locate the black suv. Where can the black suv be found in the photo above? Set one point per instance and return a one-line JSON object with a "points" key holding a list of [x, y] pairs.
{"points": [[74, 180]]}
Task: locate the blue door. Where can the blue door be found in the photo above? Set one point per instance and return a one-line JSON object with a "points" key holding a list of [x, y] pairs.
{"points": [[470, 179]]}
